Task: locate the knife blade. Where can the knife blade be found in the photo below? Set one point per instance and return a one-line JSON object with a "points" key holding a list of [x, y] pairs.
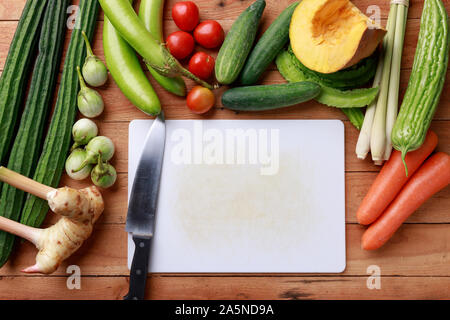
{"points": [[142, 205]]}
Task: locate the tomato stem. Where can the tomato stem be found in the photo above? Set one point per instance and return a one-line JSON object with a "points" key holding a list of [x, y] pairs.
{"points": [[174, 66], [190, 75]]}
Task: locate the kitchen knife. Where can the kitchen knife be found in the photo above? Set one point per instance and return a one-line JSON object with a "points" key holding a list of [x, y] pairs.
{"points": [[142, 205]]}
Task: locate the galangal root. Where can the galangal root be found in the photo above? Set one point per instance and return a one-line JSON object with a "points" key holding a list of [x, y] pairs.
{"points": [[79, 210]]}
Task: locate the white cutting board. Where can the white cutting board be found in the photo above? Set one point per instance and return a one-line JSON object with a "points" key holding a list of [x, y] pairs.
{"points": [[230, 208]]}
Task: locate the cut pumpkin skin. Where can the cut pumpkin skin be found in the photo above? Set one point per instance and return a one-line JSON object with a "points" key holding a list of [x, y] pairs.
{"points": [[331, 35]]}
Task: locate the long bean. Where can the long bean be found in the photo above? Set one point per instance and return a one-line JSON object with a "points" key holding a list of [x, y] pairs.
{"points": [[127, 72], [151, 12]]}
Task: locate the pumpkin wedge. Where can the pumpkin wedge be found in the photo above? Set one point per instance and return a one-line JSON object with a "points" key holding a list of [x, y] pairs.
{"points": [[331, 35]]}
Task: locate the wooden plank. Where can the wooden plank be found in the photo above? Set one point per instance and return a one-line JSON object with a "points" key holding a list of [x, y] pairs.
{"points": [[295, 288], [11, 10], [415, 250], [230, 288], [230, 9]]}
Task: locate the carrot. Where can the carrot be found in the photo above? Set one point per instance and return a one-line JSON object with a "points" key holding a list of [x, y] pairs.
{"points": [[391, 179], [432, 177]]}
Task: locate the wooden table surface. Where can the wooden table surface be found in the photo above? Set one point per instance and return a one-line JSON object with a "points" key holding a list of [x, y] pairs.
{"points": [[415, 264]]}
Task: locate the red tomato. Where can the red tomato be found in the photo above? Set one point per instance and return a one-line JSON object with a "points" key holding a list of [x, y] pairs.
{"points": [[209, 34], [180, 44], [200, 99], [185, 14], [202, 65]]}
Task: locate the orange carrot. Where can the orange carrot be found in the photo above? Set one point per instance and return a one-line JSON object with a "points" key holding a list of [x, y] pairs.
{"points": [[391, 179], [432, 177]]}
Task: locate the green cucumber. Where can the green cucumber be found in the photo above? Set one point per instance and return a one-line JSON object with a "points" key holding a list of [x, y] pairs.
{"points": [[16, 71], [268, 47], [27, 145], [238, 43], [151, 13], [267, 97], [58, 140], [427, 79]]}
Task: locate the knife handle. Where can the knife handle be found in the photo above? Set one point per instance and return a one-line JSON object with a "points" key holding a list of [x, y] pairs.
{"points": [[139, 269]]}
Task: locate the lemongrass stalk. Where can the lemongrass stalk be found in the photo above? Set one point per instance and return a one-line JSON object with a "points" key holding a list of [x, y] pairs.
{"points": [[363, 144], [378, 136], [378, 162], [28, 233], [394, 82], [24, 183]]}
